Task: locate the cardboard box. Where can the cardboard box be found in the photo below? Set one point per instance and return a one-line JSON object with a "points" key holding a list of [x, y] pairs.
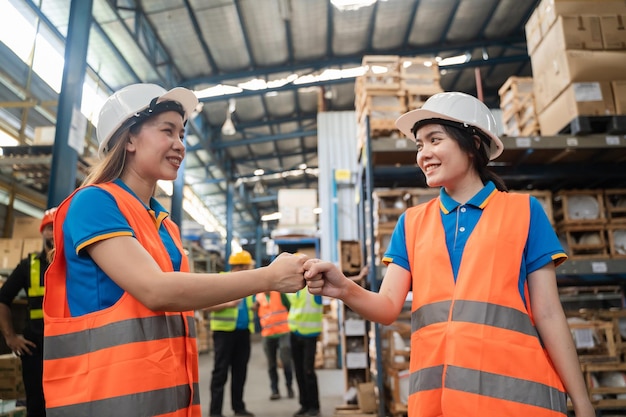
{"points": [[533, 31], [554, 70], [26, 227], [354, 327], [550, 10], [579, 99], [10, 253], [366, 397], [11, 383], [350, 258], [613, 31], [619, 96], [44, 135], [31, 245], [356, 360]]}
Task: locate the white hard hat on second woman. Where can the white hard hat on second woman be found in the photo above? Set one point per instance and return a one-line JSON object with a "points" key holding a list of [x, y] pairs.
{"points": [[461, 109]]}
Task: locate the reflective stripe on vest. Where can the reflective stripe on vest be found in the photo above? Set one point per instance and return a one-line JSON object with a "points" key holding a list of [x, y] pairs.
{"points": [[273, 315], [305, 315], [126, 358], [480, 353], [35, 289], [225, 320]]}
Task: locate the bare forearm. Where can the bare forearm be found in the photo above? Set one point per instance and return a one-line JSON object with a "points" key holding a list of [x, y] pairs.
{"points": [[372, 306], [192, 291], [6, 321], [557, 338]]}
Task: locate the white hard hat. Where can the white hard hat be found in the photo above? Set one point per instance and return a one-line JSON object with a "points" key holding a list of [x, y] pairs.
{"points": [[457, 107], [129, 102]]}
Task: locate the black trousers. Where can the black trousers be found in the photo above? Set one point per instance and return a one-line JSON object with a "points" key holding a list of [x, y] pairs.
{"points": [[275, 347], [32, 371], [232, 352], [303, 352]]}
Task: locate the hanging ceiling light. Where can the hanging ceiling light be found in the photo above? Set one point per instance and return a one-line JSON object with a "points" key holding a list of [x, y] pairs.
{"points": [[228, 128]]}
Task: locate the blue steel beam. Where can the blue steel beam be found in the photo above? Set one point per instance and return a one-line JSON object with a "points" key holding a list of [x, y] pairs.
{"points": [[264, 139], [409, 27], [371, 27], [62, 179], [448, 25], [198, 30], [356, 59], [148, 42], [246, 35]]}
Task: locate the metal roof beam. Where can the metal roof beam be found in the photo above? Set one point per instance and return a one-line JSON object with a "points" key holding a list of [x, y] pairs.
{"points": [[198, 29], [352, 59], [264, 139]]}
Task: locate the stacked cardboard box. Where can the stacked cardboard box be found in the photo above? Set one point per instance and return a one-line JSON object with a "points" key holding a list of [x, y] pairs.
{"points": [[296, 207], [11, 383], [577, 53]]}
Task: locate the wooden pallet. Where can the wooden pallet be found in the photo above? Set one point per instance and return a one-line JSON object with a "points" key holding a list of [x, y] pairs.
{"points": [[382, 72], [380, 104], [513, 89], [585, 241], [617, 245], [615, 203], [604, 397], [595, 341], [567, 209]]}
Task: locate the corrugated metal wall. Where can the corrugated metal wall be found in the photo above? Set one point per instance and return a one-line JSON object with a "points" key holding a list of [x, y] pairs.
{"points": [[337, 148]]}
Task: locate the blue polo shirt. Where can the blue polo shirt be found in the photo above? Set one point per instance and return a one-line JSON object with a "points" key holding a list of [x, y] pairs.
{"points": [[459, 220], [93, 216]]}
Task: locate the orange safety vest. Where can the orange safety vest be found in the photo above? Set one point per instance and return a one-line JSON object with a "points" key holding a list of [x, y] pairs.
{"points": [[475, 350], [273, 314], [125, 359]]}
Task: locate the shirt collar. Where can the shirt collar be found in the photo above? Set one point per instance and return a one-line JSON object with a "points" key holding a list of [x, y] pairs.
{"points": [[155, 206], [480, 200]]}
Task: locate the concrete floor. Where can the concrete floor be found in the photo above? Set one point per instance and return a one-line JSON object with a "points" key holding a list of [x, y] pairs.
{"points": [[257, 390]]}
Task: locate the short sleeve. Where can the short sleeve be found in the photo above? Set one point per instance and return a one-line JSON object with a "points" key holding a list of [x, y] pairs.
{"points": [[93, 215], [396, 252], [543, 244]]}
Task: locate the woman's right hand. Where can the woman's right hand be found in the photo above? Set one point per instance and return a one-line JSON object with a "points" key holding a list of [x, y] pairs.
{"points": [[287, 272]]}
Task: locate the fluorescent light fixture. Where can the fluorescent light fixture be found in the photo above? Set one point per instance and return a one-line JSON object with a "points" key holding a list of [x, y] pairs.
{"points": [[259, 172], [271, 216], [454, 60], [345, 5]]}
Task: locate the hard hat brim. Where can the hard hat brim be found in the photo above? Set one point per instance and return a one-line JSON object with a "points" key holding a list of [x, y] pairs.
{"points": [[406, 122], [185, 97]]}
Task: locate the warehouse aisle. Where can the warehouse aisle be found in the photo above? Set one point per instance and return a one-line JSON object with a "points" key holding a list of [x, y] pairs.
{"points": [[257, 391]]}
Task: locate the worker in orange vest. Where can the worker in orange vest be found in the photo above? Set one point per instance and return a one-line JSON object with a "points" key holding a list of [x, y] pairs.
{"points": [[489, 336], [273, 310]]}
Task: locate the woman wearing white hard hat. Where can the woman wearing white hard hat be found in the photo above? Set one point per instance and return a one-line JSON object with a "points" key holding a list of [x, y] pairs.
{"points": [[489, 336], [120, 300]]}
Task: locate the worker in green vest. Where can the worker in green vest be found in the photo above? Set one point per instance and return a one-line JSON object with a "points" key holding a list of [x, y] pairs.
{"points": [[29, 276], [305, 325], [231, 325]]}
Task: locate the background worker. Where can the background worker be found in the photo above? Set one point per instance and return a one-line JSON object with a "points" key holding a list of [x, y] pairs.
{"points": [[29, 276], [231, 324], [305, 324], [273, 311]]}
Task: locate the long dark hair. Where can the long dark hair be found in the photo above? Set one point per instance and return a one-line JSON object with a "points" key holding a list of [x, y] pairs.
{"points": [[465, 137]]}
